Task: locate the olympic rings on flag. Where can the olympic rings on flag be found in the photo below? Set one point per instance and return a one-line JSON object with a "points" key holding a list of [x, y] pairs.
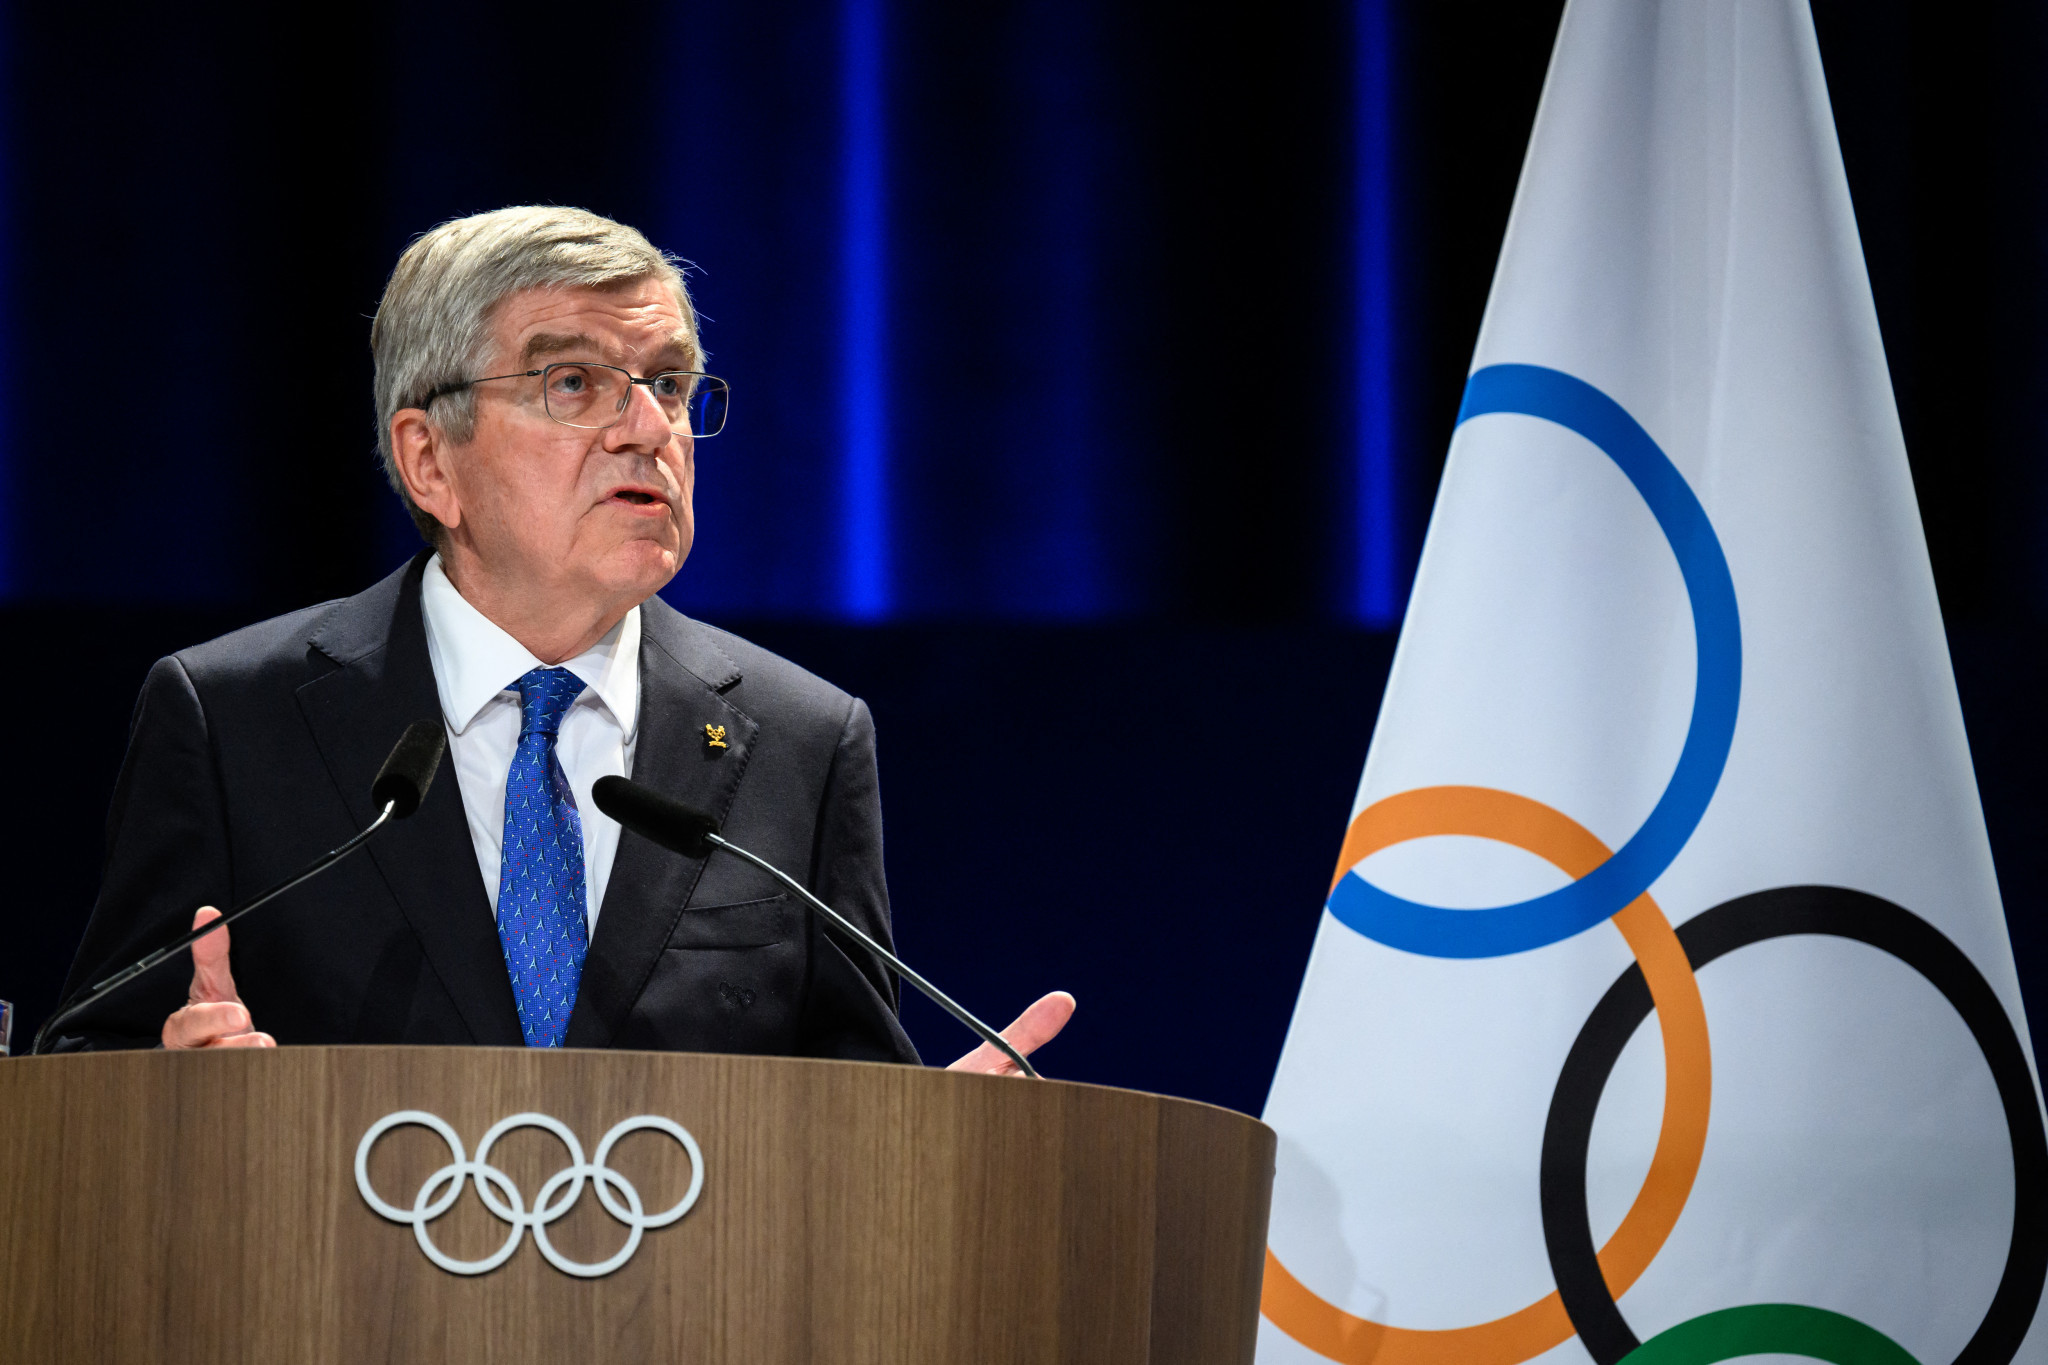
{"points": [[1616, 886], [1778, 913], [1484, 813], [1435, 931]]}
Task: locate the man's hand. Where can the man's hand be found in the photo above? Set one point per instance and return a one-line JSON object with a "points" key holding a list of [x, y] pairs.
{"points": [[215, 1015], [1030, 1031]]}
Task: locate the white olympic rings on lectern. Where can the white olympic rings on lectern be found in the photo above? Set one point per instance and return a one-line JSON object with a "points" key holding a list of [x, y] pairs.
{"points": [[492, 1183]]}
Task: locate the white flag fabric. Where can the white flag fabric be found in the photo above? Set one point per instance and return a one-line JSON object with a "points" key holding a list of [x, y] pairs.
{"points": [[1663, 1008]]}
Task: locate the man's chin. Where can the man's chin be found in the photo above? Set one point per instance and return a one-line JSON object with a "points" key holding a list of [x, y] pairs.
{"points": [[642, 567]]}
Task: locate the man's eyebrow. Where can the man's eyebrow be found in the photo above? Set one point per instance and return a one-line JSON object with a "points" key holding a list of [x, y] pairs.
{"points": [[680, 347], [555, 343]]}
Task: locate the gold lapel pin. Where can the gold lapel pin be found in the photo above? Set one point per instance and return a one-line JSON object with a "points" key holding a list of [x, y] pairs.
{"points": [[714, 737]]}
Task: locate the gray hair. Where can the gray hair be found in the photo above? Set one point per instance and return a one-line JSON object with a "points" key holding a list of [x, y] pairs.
{"points": [[433, 326]]}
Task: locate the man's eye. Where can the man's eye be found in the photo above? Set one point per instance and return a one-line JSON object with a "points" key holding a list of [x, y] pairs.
{"points": [[667, 386], [570, 383]]}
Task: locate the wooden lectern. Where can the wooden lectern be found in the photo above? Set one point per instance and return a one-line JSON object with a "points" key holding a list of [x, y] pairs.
{"points": [[218, 1207]]}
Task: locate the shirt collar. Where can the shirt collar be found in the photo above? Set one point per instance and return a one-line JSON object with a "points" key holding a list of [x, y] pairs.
{"points": [[475, 659]]}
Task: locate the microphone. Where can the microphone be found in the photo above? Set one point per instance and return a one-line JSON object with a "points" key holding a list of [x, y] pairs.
{"points": [[693, 834], [400, 786], [402, 782], [655, 817]]}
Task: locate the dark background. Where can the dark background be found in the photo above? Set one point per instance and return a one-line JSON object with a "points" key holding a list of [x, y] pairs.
{"points": [[1117, 642]]}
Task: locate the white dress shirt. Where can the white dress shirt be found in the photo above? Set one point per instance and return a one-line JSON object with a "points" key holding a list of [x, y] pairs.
{"points": [[477, 667]]}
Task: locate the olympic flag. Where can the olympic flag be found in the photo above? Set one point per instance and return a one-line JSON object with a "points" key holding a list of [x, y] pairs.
{"points": [[1662, 1008]]}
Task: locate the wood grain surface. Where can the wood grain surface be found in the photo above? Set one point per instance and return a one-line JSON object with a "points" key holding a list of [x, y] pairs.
{"points": [[203, 1207]]}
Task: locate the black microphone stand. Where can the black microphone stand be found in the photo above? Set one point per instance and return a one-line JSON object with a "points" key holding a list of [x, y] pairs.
{"points": [[400, 787], [679, 829], [93, 994], [847, 926]]}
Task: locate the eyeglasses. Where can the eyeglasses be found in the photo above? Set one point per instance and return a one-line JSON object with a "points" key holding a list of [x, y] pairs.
{"points": [[593, 397]]}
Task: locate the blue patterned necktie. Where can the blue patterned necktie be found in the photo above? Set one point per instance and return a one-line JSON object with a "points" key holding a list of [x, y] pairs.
{"points": [[540, 887]]}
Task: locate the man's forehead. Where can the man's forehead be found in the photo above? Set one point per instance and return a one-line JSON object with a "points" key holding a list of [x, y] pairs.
{"points": [[643, 318]]}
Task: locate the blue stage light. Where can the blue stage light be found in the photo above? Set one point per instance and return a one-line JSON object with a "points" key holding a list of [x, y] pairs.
{"points": [[864, 549], [1378, 590]]}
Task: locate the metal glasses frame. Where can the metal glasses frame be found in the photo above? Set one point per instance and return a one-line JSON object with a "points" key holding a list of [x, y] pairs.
{"points": [[546, 370]]}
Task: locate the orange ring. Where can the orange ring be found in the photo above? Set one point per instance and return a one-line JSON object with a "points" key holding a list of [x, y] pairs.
{"points": [[1485, 813]]}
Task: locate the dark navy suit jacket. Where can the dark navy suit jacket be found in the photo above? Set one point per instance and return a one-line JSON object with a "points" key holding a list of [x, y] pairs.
{"points": [[250, 755]]}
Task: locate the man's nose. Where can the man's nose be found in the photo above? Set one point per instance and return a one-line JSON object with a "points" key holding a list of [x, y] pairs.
{"points": [[642, 425]]}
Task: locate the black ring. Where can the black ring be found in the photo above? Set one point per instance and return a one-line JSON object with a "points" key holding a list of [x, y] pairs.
{"points": [[1783, 911]]}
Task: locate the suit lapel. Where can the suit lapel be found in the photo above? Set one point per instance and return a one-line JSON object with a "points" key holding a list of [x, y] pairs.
{"points": [[384, 682], [682, 678]]}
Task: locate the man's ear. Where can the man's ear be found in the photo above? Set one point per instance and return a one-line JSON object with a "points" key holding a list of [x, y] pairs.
{"points": [[421, 451]]}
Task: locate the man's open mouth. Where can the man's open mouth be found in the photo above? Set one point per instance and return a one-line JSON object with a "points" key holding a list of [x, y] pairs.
{"points": [[636, 497]]}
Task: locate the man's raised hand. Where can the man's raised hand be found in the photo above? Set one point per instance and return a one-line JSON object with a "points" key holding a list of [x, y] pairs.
{"points": [[214, 1015], [1028, 1032]]}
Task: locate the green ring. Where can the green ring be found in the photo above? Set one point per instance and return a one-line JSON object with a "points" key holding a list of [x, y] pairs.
{"points": [[1758, 1328]]}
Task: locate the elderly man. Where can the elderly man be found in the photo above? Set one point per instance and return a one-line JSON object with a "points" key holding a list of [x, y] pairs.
{"points": [[540, 388]]}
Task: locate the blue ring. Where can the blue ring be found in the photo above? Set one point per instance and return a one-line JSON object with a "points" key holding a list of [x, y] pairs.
{"points": [[1435, 931]]}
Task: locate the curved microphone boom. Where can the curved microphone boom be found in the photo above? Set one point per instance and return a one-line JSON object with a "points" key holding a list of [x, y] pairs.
{"points": [[693, 834], [401, 784]]}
